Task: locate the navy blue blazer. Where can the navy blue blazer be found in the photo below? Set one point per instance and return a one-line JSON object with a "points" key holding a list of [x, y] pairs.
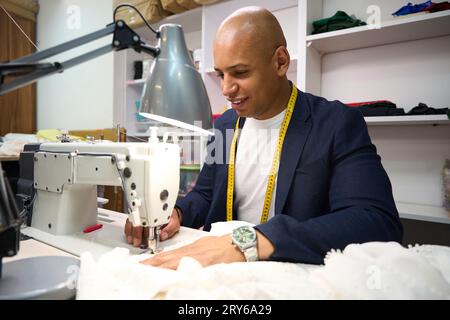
{"points": [[331, 188]]}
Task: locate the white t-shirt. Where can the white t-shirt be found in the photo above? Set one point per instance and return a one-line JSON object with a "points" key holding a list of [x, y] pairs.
{"points": [[254, 156]]}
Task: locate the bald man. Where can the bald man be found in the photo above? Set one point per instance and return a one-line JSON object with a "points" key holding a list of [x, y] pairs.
{"points": [[318, 185]]}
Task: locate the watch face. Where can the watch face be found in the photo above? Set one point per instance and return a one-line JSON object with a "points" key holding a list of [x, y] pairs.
{"points": [[244, 236]]}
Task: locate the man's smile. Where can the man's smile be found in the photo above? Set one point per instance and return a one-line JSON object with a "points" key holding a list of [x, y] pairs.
{"points": [[238, 104]]}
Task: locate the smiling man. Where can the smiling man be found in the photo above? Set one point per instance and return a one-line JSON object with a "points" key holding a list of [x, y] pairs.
{"points": [[318, 185]]}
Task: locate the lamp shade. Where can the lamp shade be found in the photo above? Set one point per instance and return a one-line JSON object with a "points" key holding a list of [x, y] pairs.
{"points": [[174, 92]]}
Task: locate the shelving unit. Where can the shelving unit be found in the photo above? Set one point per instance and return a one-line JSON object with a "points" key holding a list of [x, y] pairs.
{"points": [[407, 61], [192, 167], [427, 213], [138, 82], [401, 29], [440, 119]]}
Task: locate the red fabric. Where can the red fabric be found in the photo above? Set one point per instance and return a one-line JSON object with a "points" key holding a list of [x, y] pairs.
{"points": [[440, 6], [360, 104], [216, 115]]}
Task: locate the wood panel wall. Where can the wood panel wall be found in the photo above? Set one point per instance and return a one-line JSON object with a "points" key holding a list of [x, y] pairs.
{"points": [[17, 108]]}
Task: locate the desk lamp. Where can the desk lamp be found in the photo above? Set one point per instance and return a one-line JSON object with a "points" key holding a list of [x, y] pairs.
{"points": [[174, 93]]}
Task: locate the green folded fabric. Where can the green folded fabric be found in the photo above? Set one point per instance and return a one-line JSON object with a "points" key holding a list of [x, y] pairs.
{"points": [[340, 20]]}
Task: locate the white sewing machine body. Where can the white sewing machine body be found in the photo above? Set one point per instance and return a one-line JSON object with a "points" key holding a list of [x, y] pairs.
{"points": [[66, 176]]}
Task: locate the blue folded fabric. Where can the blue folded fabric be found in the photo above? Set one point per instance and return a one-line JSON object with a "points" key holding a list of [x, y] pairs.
{"points": [[411, 8]]}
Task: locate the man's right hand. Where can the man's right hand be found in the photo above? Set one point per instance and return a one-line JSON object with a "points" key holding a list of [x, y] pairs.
{"points": [[138, 236]]}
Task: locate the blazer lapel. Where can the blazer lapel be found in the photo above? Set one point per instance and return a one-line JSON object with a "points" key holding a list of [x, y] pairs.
{"points": [[222, 173], [294, 143]]}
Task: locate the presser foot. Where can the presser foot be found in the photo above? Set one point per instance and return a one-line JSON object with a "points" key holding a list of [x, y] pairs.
{"points": [[153, 242]]}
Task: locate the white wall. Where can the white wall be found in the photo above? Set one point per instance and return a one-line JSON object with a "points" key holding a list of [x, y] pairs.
{"points": [[80, 97], [193, 40], [413, 157], [404, 73]]}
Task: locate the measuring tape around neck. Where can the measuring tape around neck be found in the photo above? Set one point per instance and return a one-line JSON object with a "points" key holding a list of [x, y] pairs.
{"points": [[275, 162]]}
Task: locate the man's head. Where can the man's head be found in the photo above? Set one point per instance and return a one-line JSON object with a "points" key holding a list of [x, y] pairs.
{"points": [[251, 57]]}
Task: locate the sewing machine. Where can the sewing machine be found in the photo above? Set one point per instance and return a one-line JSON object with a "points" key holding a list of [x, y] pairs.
{"points": [[66, 176]]}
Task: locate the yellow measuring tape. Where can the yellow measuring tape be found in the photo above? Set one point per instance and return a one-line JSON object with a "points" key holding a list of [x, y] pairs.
{"points": [[275, 162]]}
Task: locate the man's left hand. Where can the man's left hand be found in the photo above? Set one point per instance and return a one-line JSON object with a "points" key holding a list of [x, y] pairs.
{"points": [[206, 250]]}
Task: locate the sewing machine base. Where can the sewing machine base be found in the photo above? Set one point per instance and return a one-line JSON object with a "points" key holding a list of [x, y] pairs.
{"points": [[103, 240], [97, 242]]}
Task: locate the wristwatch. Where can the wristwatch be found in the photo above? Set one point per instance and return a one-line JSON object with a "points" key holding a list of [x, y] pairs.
{"points": [[245, 239]]}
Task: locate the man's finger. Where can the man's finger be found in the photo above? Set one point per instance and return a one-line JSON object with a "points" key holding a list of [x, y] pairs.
{"points": [[145, 235], [137, 236], [169, 230], [128, 231], [167, 262]]}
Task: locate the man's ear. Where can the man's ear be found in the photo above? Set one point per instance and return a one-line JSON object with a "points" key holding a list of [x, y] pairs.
{"points": [[283, 60]]}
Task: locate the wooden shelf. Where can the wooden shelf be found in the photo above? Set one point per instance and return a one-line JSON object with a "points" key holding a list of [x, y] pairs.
{"points": [[135, 82], [190, 167], [423, 212], [402, 29], [439, 119]]}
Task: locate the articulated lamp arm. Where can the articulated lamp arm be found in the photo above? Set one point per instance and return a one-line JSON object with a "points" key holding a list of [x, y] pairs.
{"points": [[28, 69]]}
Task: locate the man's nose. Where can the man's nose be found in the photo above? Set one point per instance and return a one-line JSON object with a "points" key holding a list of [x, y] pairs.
{"points": [[229, 87]]}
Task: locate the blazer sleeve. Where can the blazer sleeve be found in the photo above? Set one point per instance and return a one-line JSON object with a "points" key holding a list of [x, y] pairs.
{"points": [[362, 207]]}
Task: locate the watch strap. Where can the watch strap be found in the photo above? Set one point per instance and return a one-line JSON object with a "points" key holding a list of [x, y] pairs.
{"points": [[251, 254]]}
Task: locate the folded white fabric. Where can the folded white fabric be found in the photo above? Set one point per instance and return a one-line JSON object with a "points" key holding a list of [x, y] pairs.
{"points": [[12, 148], [20, 137], [13, 143], [362, 271]]}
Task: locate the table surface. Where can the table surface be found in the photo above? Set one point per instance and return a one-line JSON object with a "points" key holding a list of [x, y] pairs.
{"points": [[9, 158], [35, 248]]}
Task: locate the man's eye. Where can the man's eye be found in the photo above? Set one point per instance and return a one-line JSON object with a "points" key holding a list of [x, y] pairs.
{"points": [[219, 74], [241, 72]]}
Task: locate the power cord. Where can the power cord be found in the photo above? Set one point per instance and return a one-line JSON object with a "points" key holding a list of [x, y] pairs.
{"points": [[27, 207], [139, 13]]}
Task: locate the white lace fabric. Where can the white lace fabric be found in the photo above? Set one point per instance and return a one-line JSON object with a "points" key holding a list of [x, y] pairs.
{"points": [[373, 270]]}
